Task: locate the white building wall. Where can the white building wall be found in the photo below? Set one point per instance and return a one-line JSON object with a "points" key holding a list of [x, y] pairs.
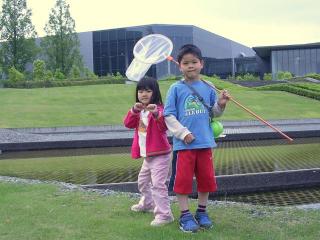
{"points": [[86, 49]]}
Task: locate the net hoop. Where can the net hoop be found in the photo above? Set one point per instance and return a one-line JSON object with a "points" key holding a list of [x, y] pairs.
{"points": [[153, 48]]}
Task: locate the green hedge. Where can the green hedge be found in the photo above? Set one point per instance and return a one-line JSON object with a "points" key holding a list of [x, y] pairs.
{"points": [[60, 83], [309, 86], [313, 75], [305, 90]]}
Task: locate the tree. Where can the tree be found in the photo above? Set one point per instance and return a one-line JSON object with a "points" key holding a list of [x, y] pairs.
{"points": [[61, 46], [18, 35]]}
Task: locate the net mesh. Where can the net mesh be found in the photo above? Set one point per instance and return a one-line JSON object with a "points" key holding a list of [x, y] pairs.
{"points": [[149, 50]]}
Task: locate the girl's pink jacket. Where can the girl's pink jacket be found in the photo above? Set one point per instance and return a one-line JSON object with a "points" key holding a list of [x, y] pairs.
{"points": [[156, 142]]}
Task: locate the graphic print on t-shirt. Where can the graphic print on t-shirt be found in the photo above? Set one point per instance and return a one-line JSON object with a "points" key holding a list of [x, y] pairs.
{"points": [[142, 127], [193, 106]]}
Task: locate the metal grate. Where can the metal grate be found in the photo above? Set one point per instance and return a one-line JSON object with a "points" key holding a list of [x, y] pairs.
{"points": [[277, 198], [109, 165]]}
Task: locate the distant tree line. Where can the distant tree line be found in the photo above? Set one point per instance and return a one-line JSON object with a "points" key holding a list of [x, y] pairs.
{"points": [[56, 57]]}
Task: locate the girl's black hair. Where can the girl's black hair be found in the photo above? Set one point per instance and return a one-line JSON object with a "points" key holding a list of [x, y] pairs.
{"points": [[149, 83], [189, 49]]}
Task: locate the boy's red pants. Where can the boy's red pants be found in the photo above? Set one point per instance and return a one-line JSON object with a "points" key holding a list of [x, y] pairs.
{"points": [[198, 162]]}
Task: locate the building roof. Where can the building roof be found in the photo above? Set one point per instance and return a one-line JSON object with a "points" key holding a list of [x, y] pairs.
{"points": [[265, 51]]}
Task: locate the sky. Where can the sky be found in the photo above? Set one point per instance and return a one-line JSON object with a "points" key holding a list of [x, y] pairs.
{"points": [[250, 22]]}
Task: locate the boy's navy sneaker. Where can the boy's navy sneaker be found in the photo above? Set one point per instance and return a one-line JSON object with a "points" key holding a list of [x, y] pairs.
{"points": [[203, 220], [188, 223]]}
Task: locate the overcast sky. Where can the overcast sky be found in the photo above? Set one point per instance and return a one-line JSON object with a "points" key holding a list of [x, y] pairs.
{"points": [[250, 22]]}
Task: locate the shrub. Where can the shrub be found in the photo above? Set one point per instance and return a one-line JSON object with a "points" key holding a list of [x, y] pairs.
{"points": [[15, 75], [313, 75], [74, 72], [309, 86], [48, 76], [118, 76], [250, 77], [171, 78], [284, 75], [89, 74], [216, 77], [61, 83], [230, 78], [267, 76], [39, 70], [58, 75], [247, 77]]}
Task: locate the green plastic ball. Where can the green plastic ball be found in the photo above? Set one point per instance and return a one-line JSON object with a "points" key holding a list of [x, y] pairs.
{"points": [[217, 128]]}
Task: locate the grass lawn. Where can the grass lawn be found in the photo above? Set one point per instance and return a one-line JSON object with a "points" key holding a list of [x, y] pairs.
{"points": [[43, 211], [107, 104]]}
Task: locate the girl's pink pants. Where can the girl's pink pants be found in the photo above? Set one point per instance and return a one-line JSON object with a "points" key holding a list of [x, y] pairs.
{"points": [[152, 185]]}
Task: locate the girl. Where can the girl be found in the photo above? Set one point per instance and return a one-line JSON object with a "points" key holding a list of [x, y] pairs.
{"points": [[150, 142]]}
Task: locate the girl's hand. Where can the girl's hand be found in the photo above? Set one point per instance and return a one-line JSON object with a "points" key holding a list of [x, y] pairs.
{"points": [[224, 98], [152, 108], [138, 107], [189, 138]]}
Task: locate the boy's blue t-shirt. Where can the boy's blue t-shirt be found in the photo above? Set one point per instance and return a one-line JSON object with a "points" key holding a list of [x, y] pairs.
{"points": [[191, 113]]}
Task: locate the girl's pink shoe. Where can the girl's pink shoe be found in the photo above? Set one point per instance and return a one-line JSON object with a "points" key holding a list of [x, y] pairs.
{"points": [[139, 208], [159, 222]]}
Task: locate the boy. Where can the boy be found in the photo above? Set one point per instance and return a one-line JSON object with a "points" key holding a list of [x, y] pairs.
{"points": [[188, 118]]}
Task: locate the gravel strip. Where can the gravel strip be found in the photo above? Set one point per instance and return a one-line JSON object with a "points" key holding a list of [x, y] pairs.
{"points": [[106, 192], [11, 136]]}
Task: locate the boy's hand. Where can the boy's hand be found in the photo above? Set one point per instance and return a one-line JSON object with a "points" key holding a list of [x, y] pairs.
{"points": [[138, 107], [189, 138], [224, 98]]}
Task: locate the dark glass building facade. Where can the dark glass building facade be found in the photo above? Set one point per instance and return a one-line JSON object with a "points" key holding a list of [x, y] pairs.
{"points": [[112, 50], [231, 66]]}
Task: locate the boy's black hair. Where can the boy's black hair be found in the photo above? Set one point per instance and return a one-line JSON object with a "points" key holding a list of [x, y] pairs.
{"points": [[189, 49], [147, 83]]}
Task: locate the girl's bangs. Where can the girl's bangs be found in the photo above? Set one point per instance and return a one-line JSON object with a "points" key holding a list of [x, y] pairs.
{"points": [[145, 85]]}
